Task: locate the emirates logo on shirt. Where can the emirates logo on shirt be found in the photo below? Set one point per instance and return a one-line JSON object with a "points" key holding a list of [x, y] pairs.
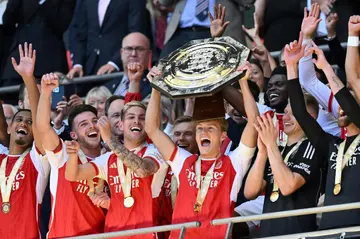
{"points": [[216, 177], [18, 178], [115, 182]]}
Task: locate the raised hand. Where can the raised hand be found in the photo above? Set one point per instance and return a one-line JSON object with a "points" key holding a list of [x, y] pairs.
{"points": [[321, 61], [135, 71], [74, 101], [218, 27], [354, 25], [72, 148], [294, 51], [245, 66], [266, 130], [331, 21], [155, 71], [253, 33], [310, 21], [260, 53], [48, 83], [326, 5], [105, 128], [26, 66]]}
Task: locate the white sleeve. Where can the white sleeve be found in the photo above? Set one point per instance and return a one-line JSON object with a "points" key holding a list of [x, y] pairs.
{"points": [[159, 177], [263, 108], [328, 122], [177, 160], [58, 157], [101, 164], [312, 85], [3, 149], [169, 130], [40, 162], [240, 159], [152, 153]]}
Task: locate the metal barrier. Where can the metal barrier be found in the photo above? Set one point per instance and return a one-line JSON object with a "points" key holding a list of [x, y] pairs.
{"points": [[77, 80], [230, 222], [182, 227], [291, 213]]}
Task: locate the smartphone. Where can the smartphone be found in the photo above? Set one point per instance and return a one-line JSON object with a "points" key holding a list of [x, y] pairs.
{"points": [[59, 92]]}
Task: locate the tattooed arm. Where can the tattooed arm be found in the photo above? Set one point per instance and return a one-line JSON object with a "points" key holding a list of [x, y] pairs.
{"points": [[143, 167]]}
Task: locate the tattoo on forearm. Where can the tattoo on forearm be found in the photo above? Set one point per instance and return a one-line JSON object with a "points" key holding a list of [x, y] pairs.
{"points": [[142, 167], [337, 82]]}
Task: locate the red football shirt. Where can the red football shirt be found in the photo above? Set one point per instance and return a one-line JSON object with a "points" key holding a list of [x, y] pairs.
{"points": [[72, 211], [143, 190], [26, 195], [222, 194]]}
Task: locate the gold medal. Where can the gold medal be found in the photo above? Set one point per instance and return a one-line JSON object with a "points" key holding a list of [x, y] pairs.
{"points": [[5, 207], [197, 207], [337, 189], [129, 202], [274, 196]]}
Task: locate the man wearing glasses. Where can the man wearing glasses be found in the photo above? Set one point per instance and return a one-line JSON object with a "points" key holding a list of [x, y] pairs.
{"points": [[135, 55]]}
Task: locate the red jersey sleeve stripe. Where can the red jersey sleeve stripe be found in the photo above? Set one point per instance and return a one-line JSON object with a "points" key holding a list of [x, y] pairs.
{"points": [[95, 167], [330, 102], [38, 151], [173, 154], [58, 148], [153, 159], [132, 97]]}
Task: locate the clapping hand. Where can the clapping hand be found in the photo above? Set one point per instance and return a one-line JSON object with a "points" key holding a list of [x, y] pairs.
{"points": [[266, 130], [218, 27]]}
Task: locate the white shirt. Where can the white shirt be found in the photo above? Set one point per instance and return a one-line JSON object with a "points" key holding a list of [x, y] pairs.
{"points": [[102, 7]]}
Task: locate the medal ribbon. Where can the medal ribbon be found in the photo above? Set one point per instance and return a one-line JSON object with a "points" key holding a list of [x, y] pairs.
{"points": [[275, 186], [173, 188], [341, 159], [92, 188], [125, 179], [6, 182], [204, 186]]}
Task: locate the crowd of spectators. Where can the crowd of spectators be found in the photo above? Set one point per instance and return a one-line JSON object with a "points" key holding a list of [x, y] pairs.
{"points": [[116, 154]]}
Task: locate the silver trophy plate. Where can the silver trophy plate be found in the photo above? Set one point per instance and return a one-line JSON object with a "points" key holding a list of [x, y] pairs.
{"points": [[201, 67]]}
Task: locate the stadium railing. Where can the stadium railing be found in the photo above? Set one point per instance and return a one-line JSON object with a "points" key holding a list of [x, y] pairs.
{"points": [[333, 233]]}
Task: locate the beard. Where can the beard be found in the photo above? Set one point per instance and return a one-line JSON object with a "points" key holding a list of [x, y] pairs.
{"points": [[20, 142], [90, 145], [344, 122]]}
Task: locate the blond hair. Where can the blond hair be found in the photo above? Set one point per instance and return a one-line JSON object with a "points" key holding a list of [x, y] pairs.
{"points": [[98, 91], [129, 105]]}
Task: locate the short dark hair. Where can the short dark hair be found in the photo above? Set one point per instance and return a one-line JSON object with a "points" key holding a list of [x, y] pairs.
{"points": [[22, 92], [20, 110], [110, 100], [310, 101], [183, 119], [78, 110]]}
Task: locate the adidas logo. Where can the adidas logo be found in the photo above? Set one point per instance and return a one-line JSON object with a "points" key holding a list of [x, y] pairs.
{"points": [[113, 165]]}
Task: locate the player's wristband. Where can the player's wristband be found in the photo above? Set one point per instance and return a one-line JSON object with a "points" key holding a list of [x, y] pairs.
{"points": [[353, 41]]}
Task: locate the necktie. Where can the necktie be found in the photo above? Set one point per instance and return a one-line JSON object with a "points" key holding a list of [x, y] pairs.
{"points": [[202, 8]]}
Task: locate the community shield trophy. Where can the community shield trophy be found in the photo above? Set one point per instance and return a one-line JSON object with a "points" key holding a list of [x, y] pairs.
{"points": [[201, 68]]}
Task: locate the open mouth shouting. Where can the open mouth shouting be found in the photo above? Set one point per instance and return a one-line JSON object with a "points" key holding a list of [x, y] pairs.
{"points": [[183, 145], [135, 129], [93, 134], [205, 142], [22, 131], [273, 97]]}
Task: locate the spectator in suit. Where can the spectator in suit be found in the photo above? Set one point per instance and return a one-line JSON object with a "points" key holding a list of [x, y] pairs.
{"points": [[41, 22], [135, 50], [97, 31]]}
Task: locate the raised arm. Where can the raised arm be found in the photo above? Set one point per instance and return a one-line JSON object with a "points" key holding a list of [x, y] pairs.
{"points": [[26, 70], [135, 74], [161, 141], [307, 74], [317, 136], [352, 62], [249, 134], [143, 167], [4, 137], [342, 94], [218, 24], [50, 139]]}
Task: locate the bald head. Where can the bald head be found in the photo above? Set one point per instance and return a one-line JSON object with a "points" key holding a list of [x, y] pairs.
{"points": [[135, 48]]}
